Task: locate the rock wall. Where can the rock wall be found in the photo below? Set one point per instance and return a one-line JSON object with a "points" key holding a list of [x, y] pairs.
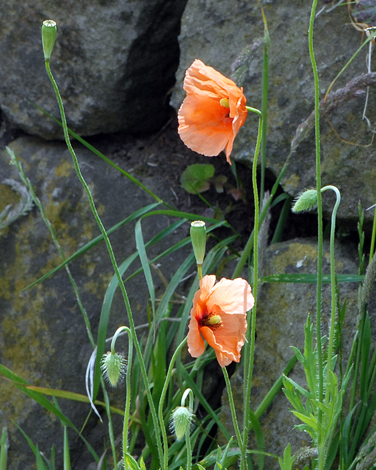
{"points": [[115, 64], [222, 36]]}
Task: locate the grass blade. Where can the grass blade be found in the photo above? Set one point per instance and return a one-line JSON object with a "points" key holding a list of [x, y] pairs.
{"points": [[42, 400], [4, 449], [145, 265], [92, 243], [67, 465], [310, 278]]}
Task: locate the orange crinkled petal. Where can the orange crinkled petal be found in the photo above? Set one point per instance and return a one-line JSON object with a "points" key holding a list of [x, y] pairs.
{"points": [[232, 296], [206, 126], [196, 345]]}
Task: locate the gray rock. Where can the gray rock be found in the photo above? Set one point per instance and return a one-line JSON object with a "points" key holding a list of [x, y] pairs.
{"points": [[114, 62], [282, 313], [42, 332], [217, 33]]}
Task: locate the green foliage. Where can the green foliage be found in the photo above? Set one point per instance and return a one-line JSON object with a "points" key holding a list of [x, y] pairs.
{"points": [[158, 382], [196, 178], [319, 415], [3, 449], [288, 460]]}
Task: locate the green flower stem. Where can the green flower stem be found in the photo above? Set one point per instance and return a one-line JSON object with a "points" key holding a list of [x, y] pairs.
{"points": [[243, 449], [320, 223], [4, 449], [332, 284], [249, 348], [199, 271], [254, 110], [110, 425], [164, 461], [188, 431], [128, 385], [113, 261], [373, 237], [264, 105], [249, 245]]}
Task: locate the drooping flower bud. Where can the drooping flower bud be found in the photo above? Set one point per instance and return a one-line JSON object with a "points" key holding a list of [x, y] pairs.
{"points": [[49, 31], [113, 366], [305, 201], [181, 419], [198, 238]]}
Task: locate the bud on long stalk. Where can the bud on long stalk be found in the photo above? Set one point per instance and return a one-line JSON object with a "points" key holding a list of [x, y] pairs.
{"points": [[49, 31]]}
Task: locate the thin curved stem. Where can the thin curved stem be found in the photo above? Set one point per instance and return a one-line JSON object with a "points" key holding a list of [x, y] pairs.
{"points": [[333, 284], [320, 236], [128, 387], [251, 333], [234, 418], [188, 431], [113, 260], [161, 401]]}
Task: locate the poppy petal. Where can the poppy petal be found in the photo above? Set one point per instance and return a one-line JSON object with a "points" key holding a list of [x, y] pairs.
{"points": [[196, 345], [229, 346], [232, 296], [219, 315], [206, 126]]}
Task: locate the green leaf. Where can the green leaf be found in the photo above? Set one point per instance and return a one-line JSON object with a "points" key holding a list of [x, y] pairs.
{"points": [[67, 464], [365, 350], [46, 404], [145, 263], [92, 243], [195, 179], [298, 354], [297, 387], [3, 449], [286, 463], [259, 436], [130, 463], [304, 278], [219, 182]]}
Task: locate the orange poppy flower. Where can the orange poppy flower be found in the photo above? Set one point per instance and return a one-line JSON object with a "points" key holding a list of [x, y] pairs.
{"points": [[213, 111], [219, 315]]}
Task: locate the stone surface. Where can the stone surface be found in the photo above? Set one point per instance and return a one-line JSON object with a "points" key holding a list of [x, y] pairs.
{"points": [[114, 62], [282, 313], [42, 332], [217, 32]]}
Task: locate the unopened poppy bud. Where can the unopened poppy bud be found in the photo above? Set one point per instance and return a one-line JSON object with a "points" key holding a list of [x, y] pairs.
{"points": [[198, 238], [181, 419], [225, 103], [113, 366], [305, 201], [49, 30]]}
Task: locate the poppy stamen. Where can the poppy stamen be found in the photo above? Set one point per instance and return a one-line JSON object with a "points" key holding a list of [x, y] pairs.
{"points": [[212, 321]]}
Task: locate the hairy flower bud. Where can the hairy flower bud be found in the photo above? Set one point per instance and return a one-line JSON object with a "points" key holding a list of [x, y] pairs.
{"points": [[305, 201], [181, 419], [113, 366]]}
